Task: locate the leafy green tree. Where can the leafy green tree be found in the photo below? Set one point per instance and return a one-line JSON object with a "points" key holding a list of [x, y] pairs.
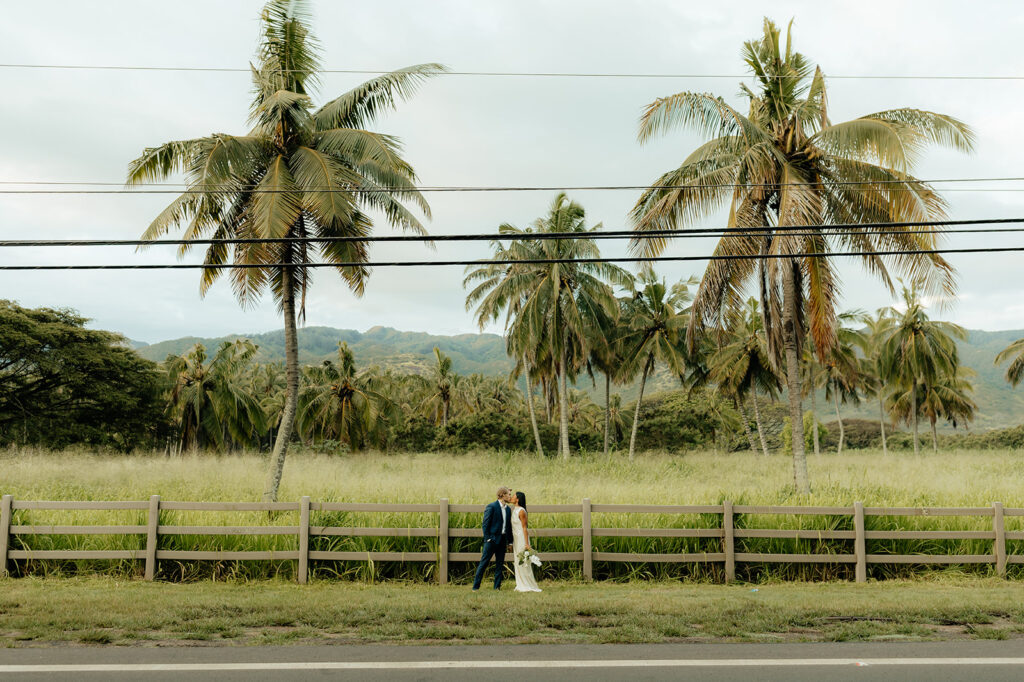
{"points": [[549, 305], [918, 355], [62, 384], [342, 404], [783, 165], [210, 400], [300, 172], [653, 331]]}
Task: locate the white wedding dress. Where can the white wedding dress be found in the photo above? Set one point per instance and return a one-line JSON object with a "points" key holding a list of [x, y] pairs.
{"points": [[525, 582]]}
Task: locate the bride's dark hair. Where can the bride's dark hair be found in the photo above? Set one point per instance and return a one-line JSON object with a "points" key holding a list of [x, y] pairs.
{"points": [[522, 498]]}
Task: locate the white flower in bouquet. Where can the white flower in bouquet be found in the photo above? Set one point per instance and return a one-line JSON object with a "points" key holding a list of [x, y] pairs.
{"points": [[528, 556]]}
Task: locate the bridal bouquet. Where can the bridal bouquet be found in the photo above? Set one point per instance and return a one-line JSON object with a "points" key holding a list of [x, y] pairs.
{"points": [[528, 556]]}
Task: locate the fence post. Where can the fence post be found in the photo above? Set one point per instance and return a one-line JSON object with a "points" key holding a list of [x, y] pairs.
{"points": [[999, 526], [304, 540], [859, 543], [588, 542], [442, 542], [5, 532], [152, 536], [728, 542]]}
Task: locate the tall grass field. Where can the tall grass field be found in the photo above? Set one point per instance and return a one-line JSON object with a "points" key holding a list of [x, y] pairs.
{"points": [[958, 478]]}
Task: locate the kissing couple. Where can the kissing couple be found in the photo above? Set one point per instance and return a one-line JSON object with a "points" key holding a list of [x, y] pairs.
{"points": [[505, 523]]}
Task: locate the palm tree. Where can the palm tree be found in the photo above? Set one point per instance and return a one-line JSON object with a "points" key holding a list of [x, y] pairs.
{"points": [[299, 173], [653, 331], [268, 384], [785, 165], [842, 379], [441, 389], [873, 381], [548, 305], [606, 356], [743, 366], [618, 418], [948, 398], [841, 370], [1015, 353], [211, 401], [342, 404], [812, 378], [917, 355]]}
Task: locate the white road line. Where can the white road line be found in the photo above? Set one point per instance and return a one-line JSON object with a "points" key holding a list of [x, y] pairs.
{"points": [[433, 665]]}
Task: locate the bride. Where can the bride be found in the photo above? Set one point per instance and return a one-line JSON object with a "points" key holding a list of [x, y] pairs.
{"points": [[525, 582]]}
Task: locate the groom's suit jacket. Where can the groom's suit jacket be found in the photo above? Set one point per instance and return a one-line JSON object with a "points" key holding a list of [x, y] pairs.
{"points": [[497, 524]]}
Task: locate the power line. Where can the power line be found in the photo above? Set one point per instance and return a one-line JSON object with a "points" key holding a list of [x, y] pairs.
{"points": [[226, 187], [914, 185], [513, 74], [391, 264], [668, 234], [880, 228]]}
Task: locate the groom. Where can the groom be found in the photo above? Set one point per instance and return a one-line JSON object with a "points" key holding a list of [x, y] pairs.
{"points": [[497, 536]]}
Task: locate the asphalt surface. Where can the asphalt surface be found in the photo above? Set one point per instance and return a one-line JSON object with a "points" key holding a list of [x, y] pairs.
{"points": [[991, 661]]}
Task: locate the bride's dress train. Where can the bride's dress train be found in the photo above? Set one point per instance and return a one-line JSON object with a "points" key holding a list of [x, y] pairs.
{"points": [[525, 582]]}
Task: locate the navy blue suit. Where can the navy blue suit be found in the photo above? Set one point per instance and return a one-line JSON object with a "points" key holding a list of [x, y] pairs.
{"points": [[497, 527]]}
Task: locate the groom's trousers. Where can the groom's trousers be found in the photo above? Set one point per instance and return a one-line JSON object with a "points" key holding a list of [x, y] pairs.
{"points": [[497, 551]]}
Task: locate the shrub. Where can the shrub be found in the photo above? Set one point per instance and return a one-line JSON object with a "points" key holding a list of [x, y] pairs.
{"points": [[787, 434]]}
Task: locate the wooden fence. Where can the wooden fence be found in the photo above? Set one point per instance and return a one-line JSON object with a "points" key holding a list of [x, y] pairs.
{"points": [[726, 532]]}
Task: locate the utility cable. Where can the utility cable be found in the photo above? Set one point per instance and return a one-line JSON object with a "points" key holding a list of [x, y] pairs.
{"points": [[514, 74], [484, 262], [467, 188], [879, 228]]}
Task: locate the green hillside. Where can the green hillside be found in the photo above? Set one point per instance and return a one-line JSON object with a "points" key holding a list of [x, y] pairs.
{"points": [[999, 404], [404, 351]]}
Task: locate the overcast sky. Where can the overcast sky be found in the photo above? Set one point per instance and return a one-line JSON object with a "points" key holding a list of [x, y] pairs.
{"points": [[458, 130]]}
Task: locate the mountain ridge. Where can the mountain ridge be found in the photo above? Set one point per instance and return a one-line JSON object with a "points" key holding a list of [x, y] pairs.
{"points": [[999, 405]]}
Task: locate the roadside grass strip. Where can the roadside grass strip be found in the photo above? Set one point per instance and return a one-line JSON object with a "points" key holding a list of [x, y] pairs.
{"points": [[102, 611]]}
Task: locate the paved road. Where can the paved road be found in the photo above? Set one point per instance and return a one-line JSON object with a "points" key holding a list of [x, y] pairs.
{"points": [[992, 661]]}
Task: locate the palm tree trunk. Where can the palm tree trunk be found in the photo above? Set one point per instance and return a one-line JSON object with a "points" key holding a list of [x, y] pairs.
{"points": [[529, 402], [545, 390], [935, 437], [757, 420], [746, 423], [814, 419], [881, 423], [444, 414], [913, 410], [607, 409], [563, 410], [291, 356], [636, 412], [842, 434], [792, 353]]}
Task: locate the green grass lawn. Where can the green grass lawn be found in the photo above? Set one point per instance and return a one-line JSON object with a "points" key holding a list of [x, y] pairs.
{"points": [[97, 610]]}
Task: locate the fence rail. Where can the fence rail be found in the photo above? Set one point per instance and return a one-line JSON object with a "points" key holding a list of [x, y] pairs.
{"points": [[726, 531]]}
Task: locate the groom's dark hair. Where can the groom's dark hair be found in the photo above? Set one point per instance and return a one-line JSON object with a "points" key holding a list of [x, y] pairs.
{"points": [[522, 498]]}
